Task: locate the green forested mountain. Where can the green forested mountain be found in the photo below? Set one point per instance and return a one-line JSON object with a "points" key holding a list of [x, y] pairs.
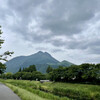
{"points": [[65, 63], [40, 59]]}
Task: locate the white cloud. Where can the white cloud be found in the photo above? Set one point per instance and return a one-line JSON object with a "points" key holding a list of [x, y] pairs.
{"points": [[68, 29]]}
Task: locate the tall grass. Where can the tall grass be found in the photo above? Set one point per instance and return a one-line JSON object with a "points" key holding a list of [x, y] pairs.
{"points": [[75, 94], [24, 94], [59, 91], [29, 86]]}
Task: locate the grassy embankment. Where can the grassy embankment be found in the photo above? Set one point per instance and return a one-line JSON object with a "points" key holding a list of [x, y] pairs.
{"points": [[55, 91], [24, 94]]}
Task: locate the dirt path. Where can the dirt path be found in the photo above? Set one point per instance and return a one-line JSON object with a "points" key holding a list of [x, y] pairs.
{"points": [[7, 94]]}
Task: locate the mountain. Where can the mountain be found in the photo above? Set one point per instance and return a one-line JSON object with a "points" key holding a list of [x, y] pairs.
{"points": [[65, 63], [40, 59]]}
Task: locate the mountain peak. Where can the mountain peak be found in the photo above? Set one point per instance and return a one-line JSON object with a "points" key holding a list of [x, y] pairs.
{"points": [[40, 52], [46, 53], [43, 53]]}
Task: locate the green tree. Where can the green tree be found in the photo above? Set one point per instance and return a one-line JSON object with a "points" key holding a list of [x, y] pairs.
{"points": [[9, 75], [37, 75], [57, 74], [20, 69], [31, 68], [18, 75], [27, 76], [2, 68], [49, 69]]}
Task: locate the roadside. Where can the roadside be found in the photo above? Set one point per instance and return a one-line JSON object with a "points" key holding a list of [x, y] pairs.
{"points": [[7, 94]]}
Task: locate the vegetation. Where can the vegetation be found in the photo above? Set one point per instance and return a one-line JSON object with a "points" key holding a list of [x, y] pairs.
{"points": [[24, 94], [3, 56], [57, 90], [49, 69], [84, 73], [2, 68], [29, 73], [31, 68]]}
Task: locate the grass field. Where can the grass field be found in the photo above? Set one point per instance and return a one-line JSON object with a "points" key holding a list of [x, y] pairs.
{"points": [[53, 90], [24, 94]]}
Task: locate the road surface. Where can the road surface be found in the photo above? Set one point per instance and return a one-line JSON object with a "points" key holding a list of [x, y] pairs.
{"points": [[7, 94]]}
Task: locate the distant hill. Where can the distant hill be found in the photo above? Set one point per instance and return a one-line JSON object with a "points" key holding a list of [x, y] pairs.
{"points": [[65, 63], [40, 59]]}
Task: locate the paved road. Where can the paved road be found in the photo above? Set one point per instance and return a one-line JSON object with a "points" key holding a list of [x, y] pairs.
{"points": [[7, 94]]}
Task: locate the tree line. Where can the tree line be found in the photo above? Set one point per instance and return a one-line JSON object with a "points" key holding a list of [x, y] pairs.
{"points": [[29, 73], [84, 73]]}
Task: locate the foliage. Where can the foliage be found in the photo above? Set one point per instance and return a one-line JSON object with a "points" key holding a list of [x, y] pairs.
{"points": [[29, 75], [84, 73], [8, 75], [49, 69], [77, 73], [31, 68], [20, 69], [2, 68]]}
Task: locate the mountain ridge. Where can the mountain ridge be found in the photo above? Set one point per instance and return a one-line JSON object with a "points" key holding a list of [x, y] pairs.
{"points": [[40, 59]]}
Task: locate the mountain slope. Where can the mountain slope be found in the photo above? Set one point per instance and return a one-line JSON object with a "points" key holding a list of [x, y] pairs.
{"points": [[40, 59], [65, 63]]}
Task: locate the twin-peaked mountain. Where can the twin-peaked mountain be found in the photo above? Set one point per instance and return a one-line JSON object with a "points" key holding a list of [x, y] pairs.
{"points": [[40, 59]]}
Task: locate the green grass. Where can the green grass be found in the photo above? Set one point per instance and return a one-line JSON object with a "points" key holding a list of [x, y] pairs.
{"points": [[31, 87], [24, 94], [75, 91], [59, 91]]}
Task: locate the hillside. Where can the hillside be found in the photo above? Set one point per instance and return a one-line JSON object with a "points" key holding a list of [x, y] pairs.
{"points": [[40, 59]]}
